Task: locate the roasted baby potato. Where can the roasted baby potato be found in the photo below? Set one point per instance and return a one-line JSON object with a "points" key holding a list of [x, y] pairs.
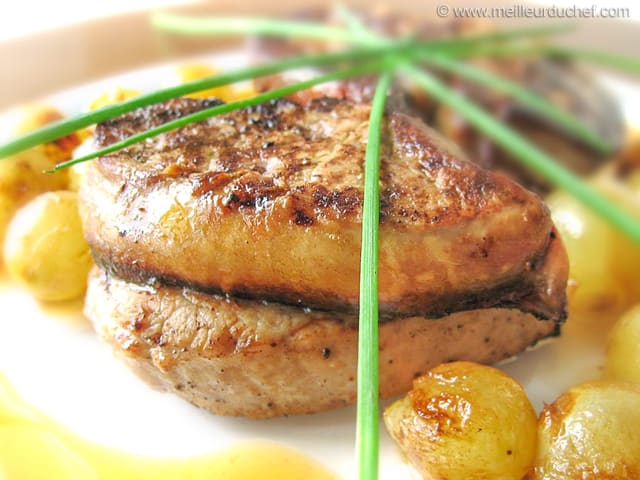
{"points": [[623, 354], [197, 71], [115, 95], [22, 175], [592, 431], [22, 178], [45, 249], [464, 421], [594, 248], [624, 190], [604, 262]]}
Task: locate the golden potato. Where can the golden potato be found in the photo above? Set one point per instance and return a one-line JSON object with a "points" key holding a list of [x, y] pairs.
{"points": [[464, 421], [592, 431], [594, 249], [196, 71], [45, 248], [623, 354], [22, 175], [241, 92], [604, 262], [36, 116], [626, 193], [22, 178], [115, 95]]}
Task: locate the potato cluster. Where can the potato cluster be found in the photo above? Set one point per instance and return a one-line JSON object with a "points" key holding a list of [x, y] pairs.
{"points": [[468, 421], [43, 245], [22, 176]]}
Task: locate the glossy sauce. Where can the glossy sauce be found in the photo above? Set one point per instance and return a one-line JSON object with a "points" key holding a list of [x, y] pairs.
{"points": [[35, 447]]}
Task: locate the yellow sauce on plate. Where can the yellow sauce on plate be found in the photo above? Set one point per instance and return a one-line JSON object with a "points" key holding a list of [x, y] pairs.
{"points": [[33, 446]]}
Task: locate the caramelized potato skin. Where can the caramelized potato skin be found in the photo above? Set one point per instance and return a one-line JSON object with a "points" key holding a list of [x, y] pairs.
{"points": [[465, 421], [592, 431]]}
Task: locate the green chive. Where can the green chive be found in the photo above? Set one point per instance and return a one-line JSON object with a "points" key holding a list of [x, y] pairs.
{"points": [[460, 45], [518, 146], [352, 22], [444, 61], [72, 124], [527, 98], [225, 108], [367, 435], [609, 60], [603, 59], [191, 25], [525, 152]]}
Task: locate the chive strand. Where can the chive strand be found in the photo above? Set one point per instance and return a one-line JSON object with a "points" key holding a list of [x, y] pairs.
{"points": [[603, 59], [522, 150], [226, 108], [367, 422], [531, 100], [352, 23], [485, 78], [191, 25], [608, 60], [526, 152], [67, 126], [447, 62]]}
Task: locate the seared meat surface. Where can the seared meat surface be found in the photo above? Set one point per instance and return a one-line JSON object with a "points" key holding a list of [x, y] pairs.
{"points": [[242, 357], [560, 82], [266, 203]]}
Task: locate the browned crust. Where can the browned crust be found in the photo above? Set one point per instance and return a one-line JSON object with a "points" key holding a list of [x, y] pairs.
{"points": [[266, 203], [239, 357], [319, 150]]}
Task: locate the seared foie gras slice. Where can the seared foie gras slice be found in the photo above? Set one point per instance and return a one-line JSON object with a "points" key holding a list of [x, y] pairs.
{"points": [[248, 358], [266, 203]]}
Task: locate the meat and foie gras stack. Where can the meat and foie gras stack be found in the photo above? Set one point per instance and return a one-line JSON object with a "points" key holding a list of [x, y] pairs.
{"points": [[227, 255]]}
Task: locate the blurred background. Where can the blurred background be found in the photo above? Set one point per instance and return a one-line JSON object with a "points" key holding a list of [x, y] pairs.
{"points": [[68, 42]]}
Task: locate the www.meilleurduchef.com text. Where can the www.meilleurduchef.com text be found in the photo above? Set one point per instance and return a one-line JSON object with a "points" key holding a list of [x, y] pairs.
{"points": [[444, 10]]}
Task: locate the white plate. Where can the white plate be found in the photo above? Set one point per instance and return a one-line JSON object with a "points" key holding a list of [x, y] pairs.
{"points": [[57, 364]]}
